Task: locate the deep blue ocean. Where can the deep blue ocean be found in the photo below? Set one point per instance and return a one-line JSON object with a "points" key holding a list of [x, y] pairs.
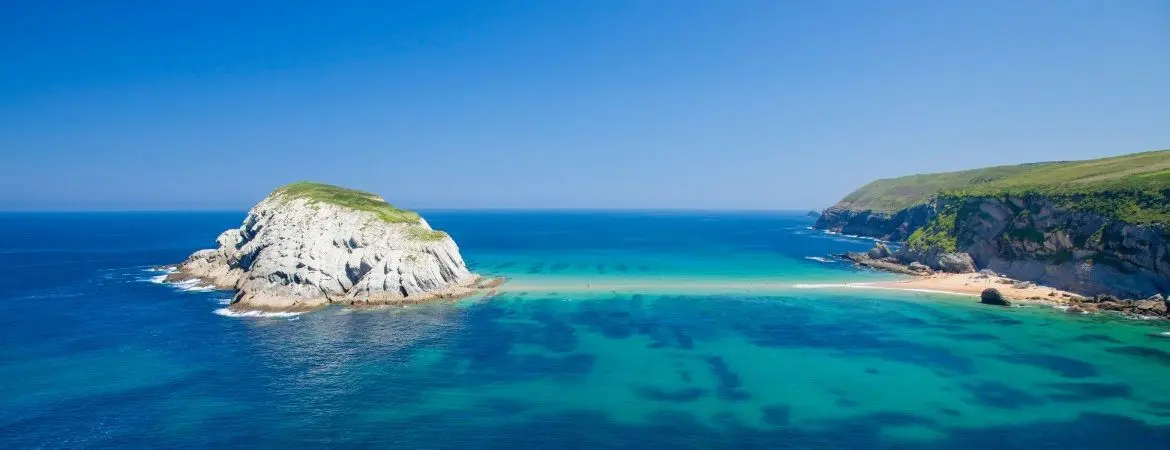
{"points": [[617, 329]]}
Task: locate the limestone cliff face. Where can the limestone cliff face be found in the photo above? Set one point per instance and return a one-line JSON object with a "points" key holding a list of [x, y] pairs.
{"points": [[885, 226], [1029, 238], [295, 253], [1034, 238]]}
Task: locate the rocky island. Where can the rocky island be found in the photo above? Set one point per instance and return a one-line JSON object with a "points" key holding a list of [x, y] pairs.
{"points": [[308, 245], [1097, 227]]}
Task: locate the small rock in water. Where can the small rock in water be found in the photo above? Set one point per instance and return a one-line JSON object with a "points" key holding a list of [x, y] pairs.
{"points": [[991, 296]]}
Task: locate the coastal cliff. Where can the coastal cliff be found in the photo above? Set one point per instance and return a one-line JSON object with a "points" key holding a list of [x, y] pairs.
{"points": [[1052, 241], [886, 226], [308, 245], [1092, 227]]}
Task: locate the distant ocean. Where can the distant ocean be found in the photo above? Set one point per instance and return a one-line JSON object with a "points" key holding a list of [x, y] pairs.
{"points": [[617, 329]]}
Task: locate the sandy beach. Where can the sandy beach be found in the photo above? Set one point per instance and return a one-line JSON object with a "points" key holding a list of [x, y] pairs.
{"points": [[973, 284], [966, 284]]}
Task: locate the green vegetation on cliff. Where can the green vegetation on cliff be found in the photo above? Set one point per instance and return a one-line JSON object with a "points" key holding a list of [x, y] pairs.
{"points": [[348, 198], [424, 234], [1134, 188], [937, 234]]}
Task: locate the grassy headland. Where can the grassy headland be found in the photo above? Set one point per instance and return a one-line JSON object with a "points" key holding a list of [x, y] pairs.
{"points": [[348, 198], [1134, 188]]}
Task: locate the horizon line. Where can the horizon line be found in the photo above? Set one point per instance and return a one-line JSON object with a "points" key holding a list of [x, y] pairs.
{"points": [[438, 209]]}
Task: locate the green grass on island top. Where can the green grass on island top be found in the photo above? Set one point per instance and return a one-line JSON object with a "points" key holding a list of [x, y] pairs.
{"points": [[1131, 187], [358, 200]]}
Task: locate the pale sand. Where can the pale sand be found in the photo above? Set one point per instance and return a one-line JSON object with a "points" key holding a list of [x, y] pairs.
{"points": [[974, 284], [967, 284]]}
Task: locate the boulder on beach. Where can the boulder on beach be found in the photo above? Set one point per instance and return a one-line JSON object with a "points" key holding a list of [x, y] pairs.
{"points": [[991, 296]]}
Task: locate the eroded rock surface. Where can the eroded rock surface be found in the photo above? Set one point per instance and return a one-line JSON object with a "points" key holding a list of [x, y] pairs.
{"points": [[297, 252]]}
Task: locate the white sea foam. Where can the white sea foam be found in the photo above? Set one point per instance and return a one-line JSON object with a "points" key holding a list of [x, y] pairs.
{"points": [[852, 237], [161, 278], [192, 286], [1165, 334], [820, 259], [185, 285], [229, 313]]}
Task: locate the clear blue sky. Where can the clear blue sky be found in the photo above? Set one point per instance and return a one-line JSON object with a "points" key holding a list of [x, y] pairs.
{"points": [[582, 104]]}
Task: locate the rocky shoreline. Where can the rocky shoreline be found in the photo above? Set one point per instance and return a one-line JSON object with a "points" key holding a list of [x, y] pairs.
{"points": [[309, 245], [954, 275]]}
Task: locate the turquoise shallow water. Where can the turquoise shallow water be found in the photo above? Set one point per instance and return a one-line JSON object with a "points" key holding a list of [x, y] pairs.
{"points": [[616, 330]]}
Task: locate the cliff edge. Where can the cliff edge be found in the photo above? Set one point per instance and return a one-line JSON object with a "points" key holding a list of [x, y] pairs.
{"points": [[1092, 227], [309, 244]]}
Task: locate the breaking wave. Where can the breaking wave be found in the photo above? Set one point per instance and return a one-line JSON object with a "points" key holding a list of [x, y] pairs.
{"points": [[229, 313]]}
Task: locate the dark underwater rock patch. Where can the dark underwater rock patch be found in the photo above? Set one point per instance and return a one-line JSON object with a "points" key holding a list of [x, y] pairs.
{"points": [[1000, 395], [1086, 392], [1090, 337], [1153, 354], [593, 429], [852, 338], [663, 395], [729, 383], [776, 415], [1066, 367]]}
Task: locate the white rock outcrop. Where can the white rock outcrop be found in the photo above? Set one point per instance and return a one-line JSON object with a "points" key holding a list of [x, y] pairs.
{"points": [[298, 253]]}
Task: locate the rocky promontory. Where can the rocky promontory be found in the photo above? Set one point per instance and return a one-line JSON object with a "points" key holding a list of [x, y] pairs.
{"points": [[1091, 227], [309, 244]]}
